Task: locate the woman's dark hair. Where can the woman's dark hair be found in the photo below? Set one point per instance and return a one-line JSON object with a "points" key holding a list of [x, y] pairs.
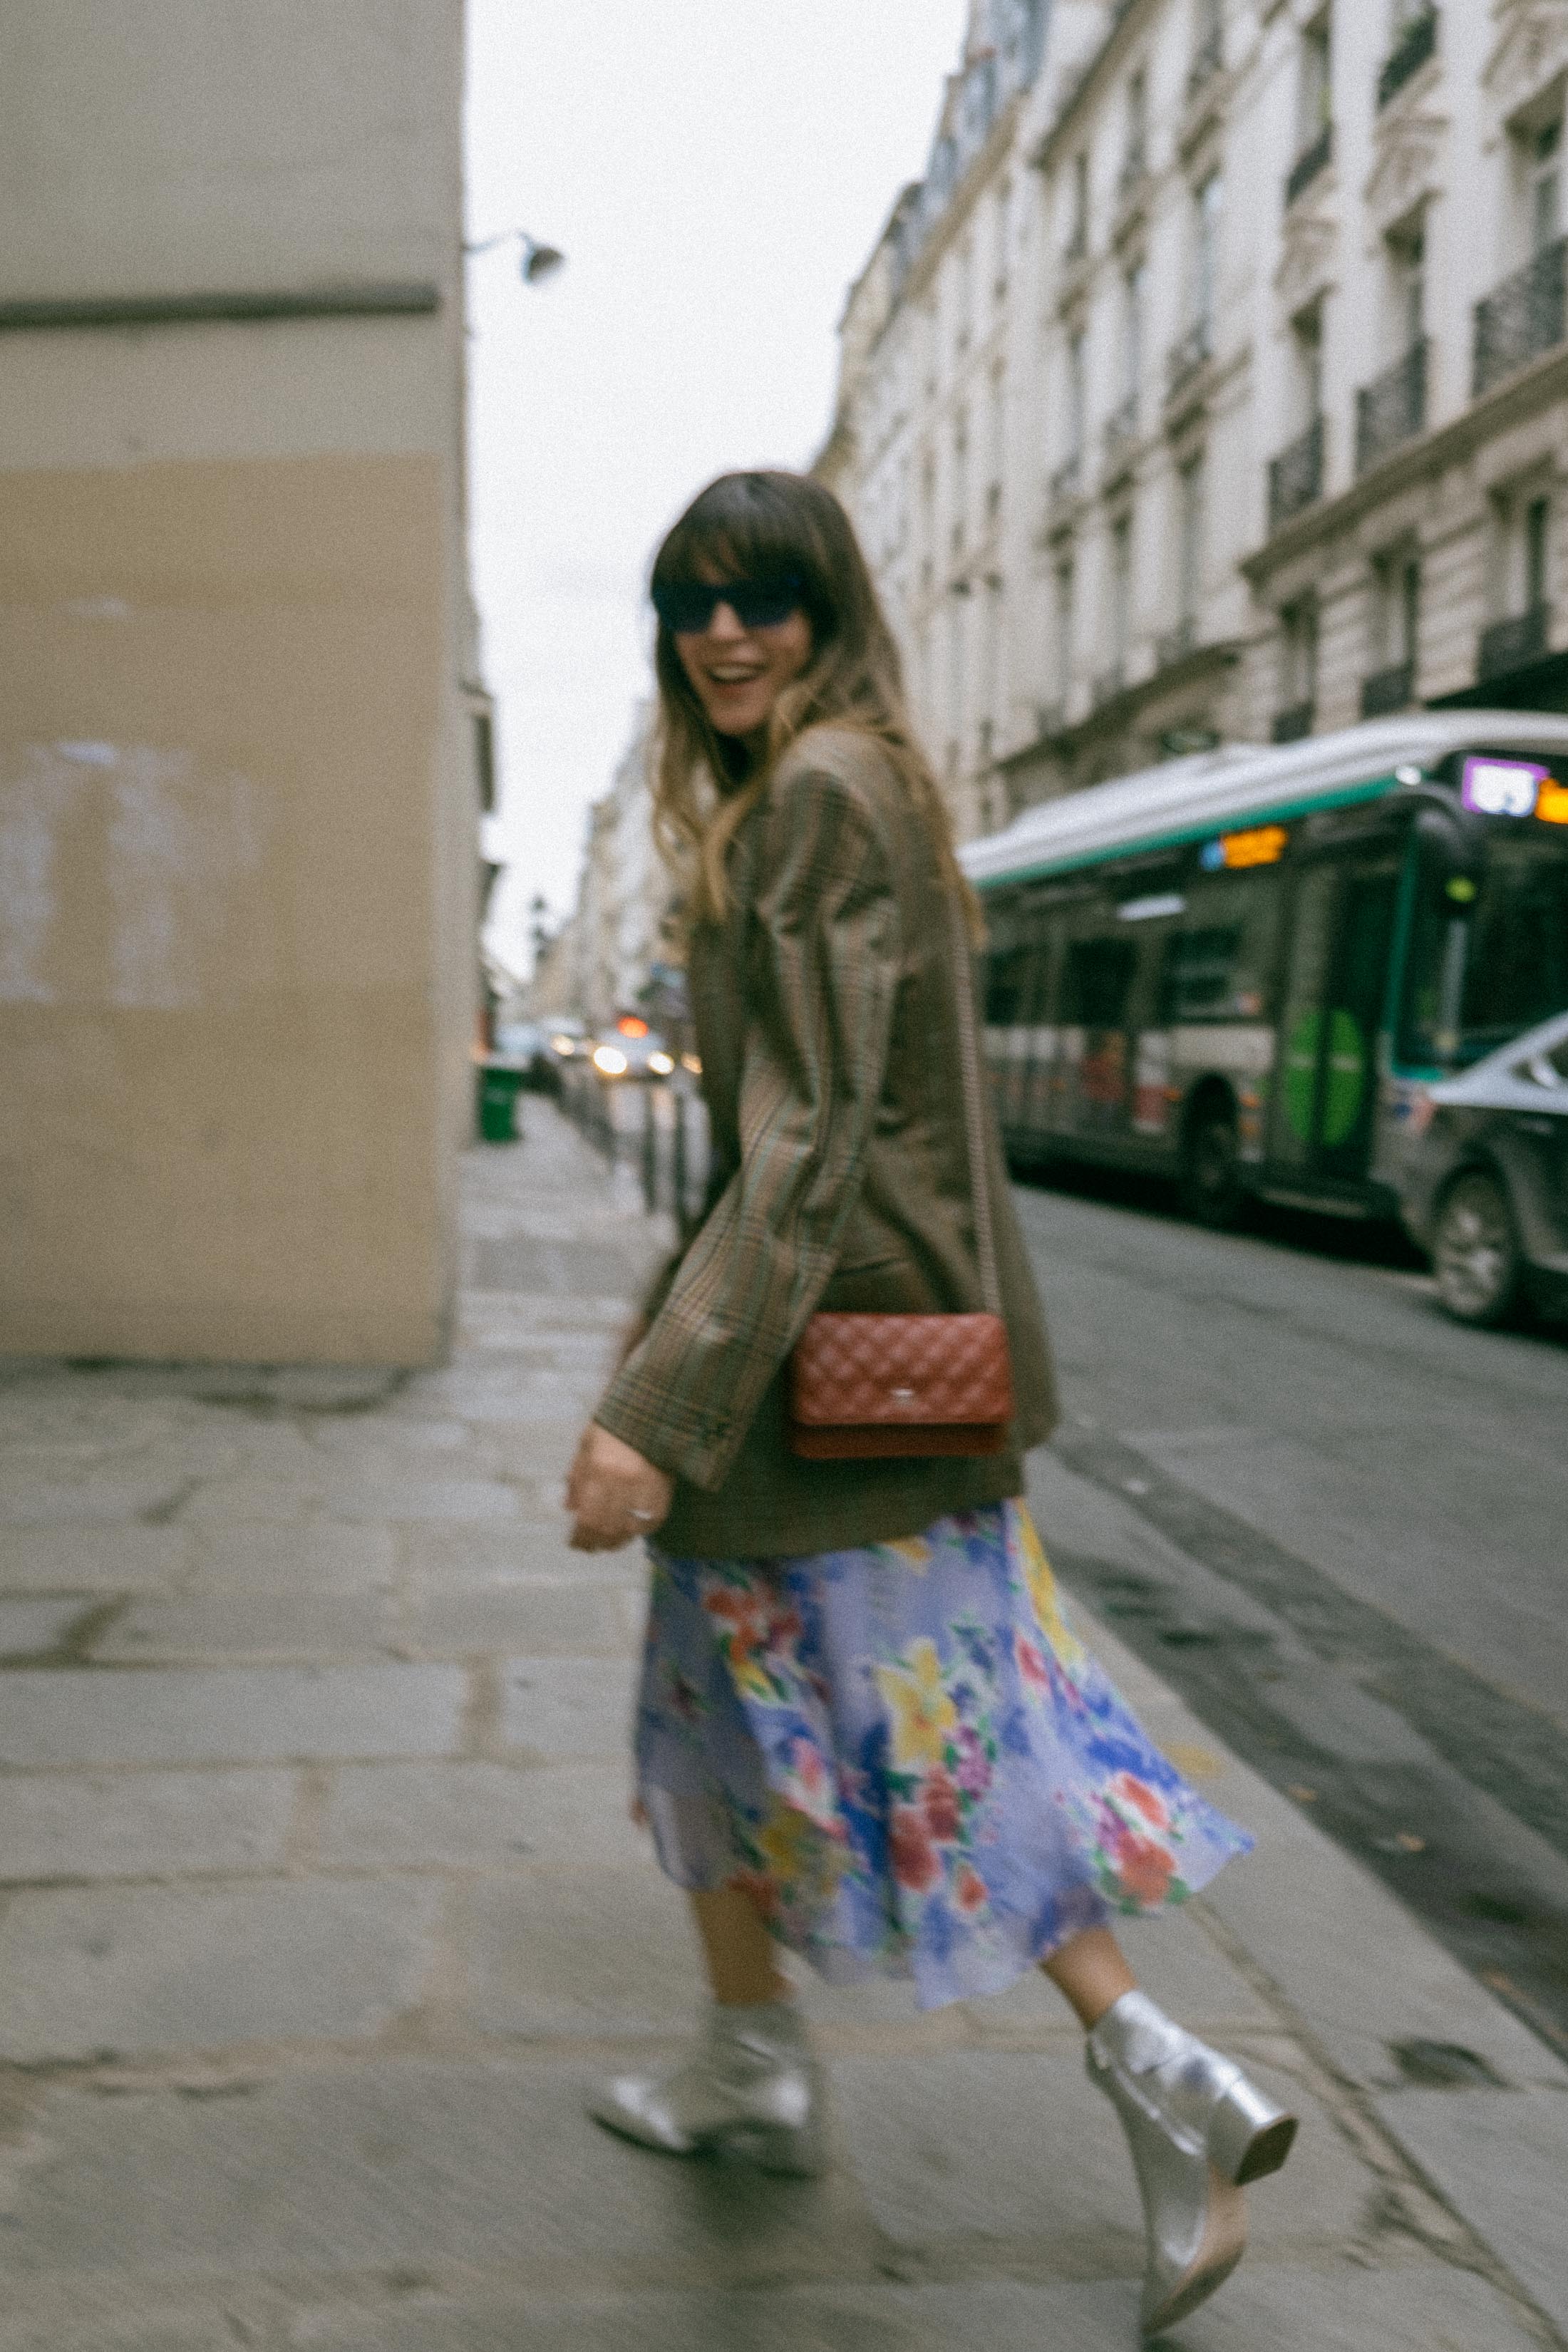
{"points": [[775, 528]]}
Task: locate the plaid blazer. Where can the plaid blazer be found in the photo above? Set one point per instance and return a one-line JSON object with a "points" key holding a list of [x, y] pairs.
{"points": [[826, 1008]]}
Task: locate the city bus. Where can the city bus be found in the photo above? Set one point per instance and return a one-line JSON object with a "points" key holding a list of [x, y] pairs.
{"points": [[1244, 968]]}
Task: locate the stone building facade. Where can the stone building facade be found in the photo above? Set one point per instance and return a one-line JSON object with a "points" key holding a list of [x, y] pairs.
{"points": [[242, 747], [1219, 389]]}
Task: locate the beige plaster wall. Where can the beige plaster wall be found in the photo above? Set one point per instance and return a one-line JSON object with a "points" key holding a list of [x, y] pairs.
{"points": [[237, 805]]}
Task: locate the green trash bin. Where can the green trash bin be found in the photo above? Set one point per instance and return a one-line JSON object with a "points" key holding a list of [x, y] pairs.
{"points": [[499, 1088]]}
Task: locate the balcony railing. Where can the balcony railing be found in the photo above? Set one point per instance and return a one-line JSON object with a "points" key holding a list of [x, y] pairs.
{"points": [[1065, 481], [1521, 317], [1173, 646], [1393, 409], [1186, 357], [1309, 163], [1296, 475], [1387, 690], [1410, 52], [1208, 59], [1121, 430], [1107, 686], [1508, 645], [1295, 720]]}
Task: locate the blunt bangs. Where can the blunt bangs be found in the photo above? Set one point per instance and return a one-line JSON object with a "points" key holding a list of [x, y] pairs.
{"points": [[742, 528]]}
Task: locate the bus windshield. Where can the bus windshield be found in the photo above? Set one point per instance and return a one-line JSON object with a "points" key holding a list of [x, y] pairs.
{"points": [[1504, 967]]}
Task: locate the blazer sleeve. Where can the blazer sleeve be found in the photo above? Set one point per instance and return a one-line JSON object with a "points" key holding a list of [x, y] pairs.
{"points": [[821, 990]]}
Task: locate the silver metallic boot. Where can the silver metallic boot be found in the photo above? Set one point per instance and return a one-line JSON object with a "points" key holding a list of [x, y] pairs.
{"points": [[1198, 2131], [751, 2085]]}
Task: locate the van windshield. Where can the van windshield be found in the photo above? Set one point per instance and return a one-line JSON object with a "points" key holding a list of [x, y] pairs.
{"points": [[1504, 968]]}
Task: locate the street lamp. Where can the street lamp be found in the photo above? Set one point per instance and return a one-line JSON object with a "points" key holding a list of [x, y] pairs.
{"points": [[535, 262]]}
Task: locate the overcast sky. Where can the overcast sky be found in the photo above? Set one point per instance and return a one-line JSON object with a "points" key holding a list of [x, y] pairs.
{"points": [[716, 171]]}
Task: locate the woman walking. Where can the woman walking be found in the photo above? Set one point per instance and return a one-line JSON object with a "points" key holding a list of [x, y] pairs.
{"points": [[863, 1731]]}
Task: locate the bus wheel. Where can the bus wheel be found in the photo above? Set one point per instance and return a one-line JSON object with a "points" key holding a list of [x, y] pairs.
{"points": [[1475, 1252], [1211, 1188]]}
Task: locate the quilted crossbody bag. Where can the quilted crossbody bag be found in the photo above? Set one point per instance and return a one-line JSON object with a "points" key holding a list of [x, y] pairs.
{"points": [[863, 1387]]}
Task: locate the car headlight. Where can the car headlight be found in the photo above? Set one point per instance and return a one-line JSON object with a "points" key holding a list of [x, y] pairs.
{"points": [[609, 1063], [660, 1063], [564, 1046]]}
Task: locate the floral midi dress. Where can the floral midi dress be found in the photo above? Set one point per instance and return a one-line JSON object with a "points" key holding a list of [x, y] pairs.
{"points": [[904, 1755]]}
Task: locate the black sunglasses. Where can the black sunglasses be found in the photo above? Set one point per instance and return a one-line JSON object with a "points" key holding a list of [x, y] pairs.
{"points": [[686, 607]]}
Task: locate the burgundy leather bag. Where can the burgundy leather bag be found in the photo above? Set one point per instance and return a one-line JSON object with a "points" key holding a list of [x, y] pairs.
{"points": [[865, 1387]]}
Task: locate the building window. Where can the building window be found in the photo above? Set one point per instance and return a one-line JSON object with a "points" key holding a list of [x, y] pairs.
{"points": [[1004, 239], [1397, 632], [1078, 393], [1064, 585], [1545, 187], [1307, 356], [1537, 528], [1132, 287], [1207, 203], [1135, 152], [1078, 207], [1121, 593], [1298, 670], [1190, 502], [1407, 266], [1314, 101]]}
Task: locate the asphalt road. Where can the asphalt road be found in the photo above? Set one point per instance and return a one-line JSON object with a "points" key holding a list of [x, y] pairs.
{"points": [[1357, 1518]]}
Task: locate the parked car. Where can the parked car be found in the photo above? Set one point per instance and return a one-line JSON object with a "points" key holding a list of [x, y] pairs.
{"points": [[632, 1050], [1485, 1187]]}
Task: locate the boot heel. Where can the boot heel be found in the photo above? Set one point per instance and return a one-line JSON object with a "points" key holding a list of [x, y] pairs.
{"points": [[1249, 2135]]}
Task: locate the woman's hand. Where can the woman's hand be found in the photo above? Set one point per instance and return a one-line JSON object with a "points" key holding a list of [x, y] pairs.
{"points": [[614, 1493]]}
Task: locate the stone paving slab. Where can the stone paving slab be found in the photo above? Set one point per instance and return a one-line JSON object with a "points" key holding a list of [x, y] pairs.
{"points": [[481, 1816], [248, 1626], [1504, 2158], [83, 1559], [587, 1952], [568, 1706], [543, 1621], [244, 1559], [33, 1629], [229, 1715], [58, 1825], [408, 2162], [131, 1971]]}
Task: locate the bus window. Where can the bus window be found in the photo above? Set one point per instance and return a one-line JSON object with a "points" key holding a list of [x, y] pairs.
{"points": [[1197, 981], [1508, 958], [1099, 977], [1006, 977]]}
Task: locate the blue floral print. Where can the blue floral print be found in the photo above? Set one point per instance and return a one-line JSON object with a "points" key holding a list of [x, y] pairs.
{"points": [[905, 1756]]}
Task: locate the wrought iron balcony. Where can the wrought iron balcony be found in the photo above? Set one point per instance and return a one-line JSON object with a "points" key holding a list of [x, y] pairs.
{"points": [[1410, 52], [1508, 645], [1208, 59], [1067, 480], [1296, 475], [1309, 163], [1296, 721], [1387, 690], [1521, 317], [1186, 357], [1393, 409], [1173, 646]]}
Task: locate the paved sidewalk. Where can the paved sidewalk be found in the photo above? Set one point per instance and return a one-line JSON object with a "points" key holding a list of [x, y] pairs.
{"points": [[321, 1909]]}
